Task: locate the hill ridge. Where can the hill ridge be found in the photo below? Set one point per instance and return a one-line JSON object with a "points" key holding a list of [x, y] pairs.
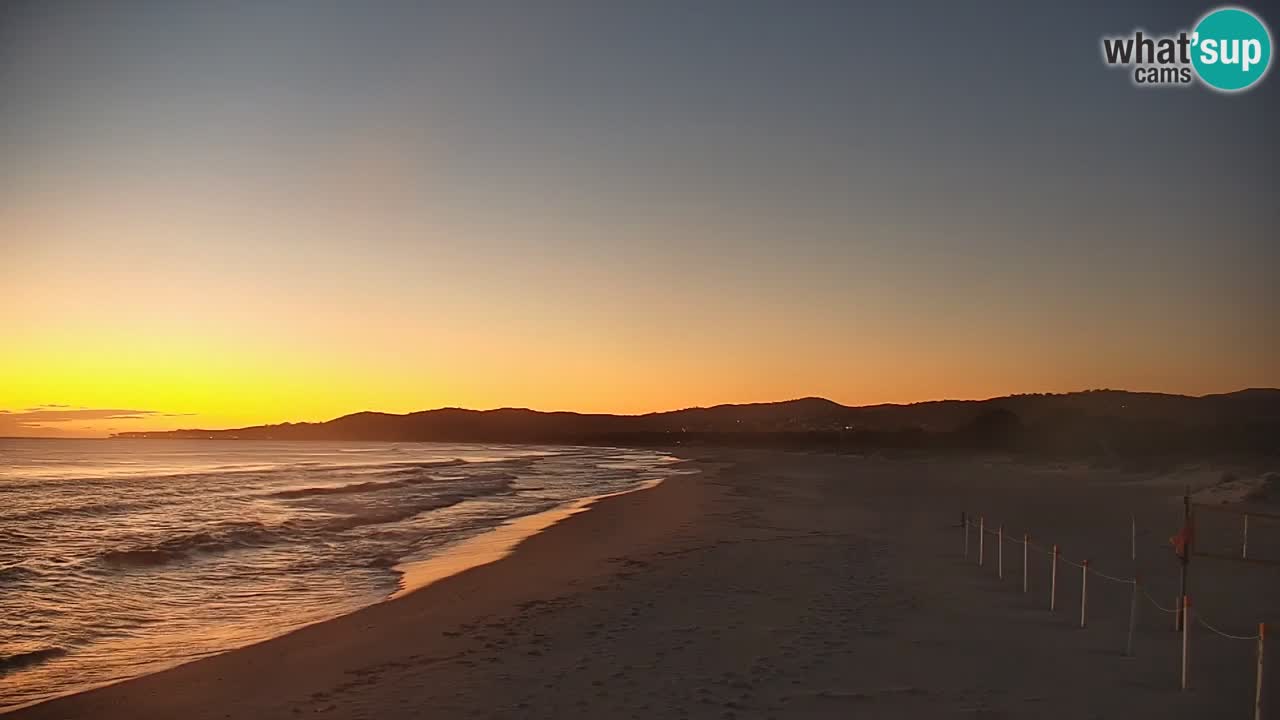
{"points": [[1245, 420]]}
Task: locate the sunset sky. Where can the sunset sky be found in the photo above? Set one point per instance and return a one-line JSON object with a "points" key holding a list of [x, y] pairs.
{"points": [[218, 214]]}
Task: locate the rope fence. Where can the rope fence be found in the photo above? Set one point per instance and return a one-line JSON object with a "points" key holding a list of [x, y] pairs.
{"points": [[1182, 612], [1157, 605], [1266, 520], [1229, 636]]}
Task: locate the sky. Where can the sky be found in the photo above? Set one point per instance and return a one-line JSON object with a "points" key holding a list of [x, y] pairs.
{"points": [[232, 213]]}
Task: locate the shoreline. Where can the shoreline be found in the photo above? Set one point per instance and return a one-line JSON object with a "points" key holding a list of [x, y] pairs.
{"points": [[417, 577], [482, 549], [495, 544]]}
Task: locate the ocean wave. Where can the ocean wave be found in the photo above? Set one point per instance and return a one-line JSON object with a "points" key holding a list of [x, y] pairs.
{"points": [[242, 535], [381, 515], [183, 546], [238, 471], [18, 661], [87, 510], [352, 489], [16, 572], [414, 477]]}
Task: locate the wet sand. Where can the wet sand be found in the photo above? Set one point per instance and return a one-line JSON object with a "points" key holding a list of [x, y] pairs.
{"points": [[771, 585]]}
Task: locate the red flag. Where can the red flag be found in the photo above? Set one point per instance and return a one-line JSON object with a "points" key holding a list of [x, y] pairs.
{"points": [[1182, 541]]}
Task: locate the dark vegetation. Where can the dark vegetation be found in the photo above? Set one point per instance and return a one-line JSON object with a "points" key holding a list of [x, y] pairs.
{"points": [[1099, 423]]}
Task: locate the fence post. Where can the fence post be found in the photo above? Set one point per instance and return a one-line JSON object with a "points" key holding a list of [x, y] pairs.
{"points": [[1257, 695], [1188, 519], [1186, 634], [1133, 616], [965, 522], [1244, 545], [1084, 590], [1000, 554], [1053, 582], [1133, 537], [982, 534], [1026, 538]]}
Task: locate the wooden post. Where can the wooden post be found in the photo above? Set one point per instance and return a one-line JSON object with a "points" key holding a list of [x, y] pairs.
{"points": [[1000, 553], [1186, 634], [1026, 539], [964, 522], [1053, 582], [1133, 538], [1084, 590], [1133, 598], [1179, 618], [1257, 693], [982, 535], [1133, 616], [1244, 544]]}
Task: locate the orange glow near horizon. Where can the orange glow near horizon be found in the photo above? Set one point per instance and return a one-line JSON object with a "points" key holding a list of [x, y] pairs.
{"points": [[210, 339], [191, 380], [169, 319]]}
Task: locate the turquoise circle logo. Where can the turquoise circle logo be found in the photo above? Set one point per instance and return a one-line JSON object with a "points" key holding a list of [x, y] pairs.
{"points": [[1231, 49]]}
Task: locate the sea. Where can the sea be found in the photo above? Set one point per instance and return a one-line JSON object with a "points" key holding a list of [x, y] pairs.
{"points": [[123, 557]]}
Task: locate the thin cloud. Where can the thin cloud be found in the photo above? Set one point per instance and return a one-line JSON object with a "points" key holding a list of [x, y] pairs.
{"points": [[46, 415], [53, 420]]}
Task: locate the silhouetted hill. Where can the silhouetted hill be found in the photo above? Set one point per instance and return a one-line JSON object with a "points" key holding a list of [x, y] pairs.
{"points": [[1095, 421]]}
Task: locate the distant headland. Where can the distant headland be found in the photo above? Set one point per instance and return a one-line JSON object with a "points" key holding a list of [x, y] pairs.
{"points": [[1093, 422]]}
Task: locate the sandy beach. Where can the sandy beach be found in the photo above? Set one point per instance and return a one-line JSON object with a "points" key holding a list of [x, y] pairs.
{"points": [[774, 585]]}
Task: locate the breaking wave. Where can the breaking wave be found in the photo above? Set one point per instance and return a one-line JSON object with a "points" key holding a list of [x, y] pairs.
{"points": [[233, 536], [17, 661]]}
